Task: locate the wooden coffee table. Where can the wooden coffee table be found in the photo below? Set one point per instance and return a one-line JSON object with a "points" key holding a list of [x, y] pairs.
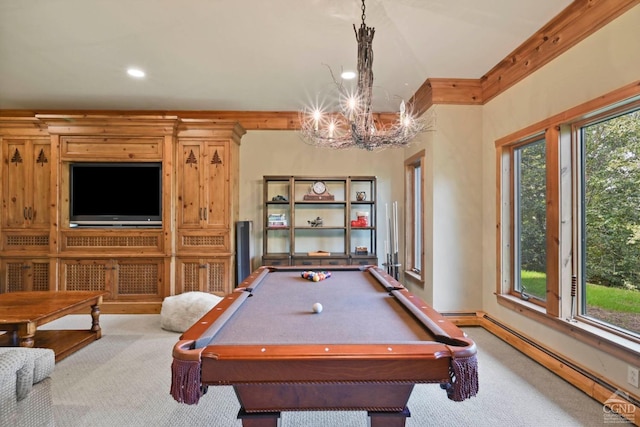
{"points": [[22, 312]]}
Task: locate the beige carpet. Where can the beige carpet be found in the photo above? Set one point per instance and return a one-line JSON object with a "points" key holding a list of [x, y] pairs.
{"points": [[124, 378]]}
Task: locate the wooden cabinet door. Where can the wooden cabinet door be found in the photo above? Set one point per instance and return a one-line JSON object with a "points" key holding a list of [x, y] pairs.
{"points": [[216, 185], [203, 184], [41, 184], [26, 183], [139, 279], [130, 279], [24, 275], [190, 184], [87, 275], [204, 275]]}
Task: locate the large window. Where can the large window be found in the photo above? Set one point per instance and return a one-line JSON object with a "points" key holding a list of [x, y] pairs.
{"points": [[414, 204], [569, 219], [610, 220], [530, 233]]}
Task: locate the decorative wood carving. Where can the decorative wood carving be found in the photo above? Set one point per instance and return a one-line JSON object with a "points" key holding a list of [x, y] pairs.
{"points": [[216, 160], [16, 158], [191, 159], [42, 158]]}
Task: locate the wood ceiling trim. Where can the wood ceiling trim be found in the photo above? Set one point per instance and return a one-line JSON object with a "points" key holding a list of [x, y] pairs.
{"points": [[576, 22]]}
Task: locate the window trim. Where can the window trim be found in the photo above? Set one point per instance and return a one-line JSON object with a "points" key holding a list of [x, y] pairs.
{"points": [[410, 164], [557, 310]]}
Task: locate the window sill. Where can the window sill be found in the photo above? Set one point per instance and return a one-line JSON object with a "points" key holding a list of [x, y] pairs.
{"points": [[413, 278], [615, 345]]}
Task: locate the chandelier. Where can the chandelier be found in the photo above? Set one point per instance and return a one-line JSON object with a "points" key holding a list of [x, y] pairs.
{"points": [[352, 123]]}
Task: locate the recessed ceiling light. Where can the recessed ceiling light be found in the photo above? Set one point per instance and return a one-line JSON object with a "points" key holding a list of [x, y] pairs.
{"points": [[348, 75], [136, 72]]}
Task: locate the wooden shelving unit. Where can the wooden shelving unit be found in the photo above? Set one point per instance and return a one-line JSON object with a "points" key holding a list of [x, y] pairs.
{"points": [[303, 227]]}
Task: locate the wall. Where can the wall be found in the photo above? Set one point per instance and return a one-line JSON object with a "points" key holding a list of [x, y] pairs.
{"points": [[284, 153], [605, 61], [453, 209]]}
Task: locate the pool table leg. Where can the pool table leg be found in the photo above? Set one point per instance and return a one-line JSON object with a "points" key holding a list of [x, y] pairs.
{"points": [[388, 419], [258, 419]]}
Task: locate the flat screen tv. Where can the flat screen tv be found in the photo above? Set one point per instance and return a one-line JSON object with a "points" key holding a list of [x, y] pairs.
{"points": [[115, 194]]}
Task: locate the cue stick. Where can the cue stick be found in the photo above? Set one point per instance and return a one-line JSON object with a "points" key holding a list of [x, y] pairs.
{"points": [[396, 266], [388, 242]]}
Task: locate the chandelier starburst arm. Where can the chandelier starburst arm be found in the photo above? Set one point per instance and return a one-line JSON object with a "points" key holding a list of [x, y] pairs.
{"points": [[354, 124]]}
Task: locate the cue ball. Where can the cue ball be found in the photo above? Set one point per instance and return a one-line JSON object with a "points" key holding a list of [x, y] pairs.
{"points": [[317, 307]]}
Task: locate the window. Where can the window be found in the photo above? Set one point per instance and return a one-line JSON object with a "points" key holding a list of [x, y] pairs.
{"points": [[569, 219], [414, 203], [609, 220], [530, 226]]}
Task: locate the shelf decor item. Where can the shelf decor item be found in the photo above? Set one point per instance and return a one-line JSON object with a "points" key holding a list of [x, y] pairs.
{"points": [[318, 191], [319, 253], [362, 221], [362, 250], [277, 220], [315, 222]]}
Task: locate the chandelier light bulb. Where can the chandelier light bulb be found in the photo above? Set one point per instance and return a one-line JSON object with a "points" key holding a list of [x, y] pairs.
{"points": [[316, 119]]}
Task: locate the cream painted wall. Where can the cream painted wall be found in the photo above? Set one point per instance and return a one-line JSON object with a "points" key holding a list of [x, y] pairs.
{"points": [[453, 209], [284, 153], [607, 60]]}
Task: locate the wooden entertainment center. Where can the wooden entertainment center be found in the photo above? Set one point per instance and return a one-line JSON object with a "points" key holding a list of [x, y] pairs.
{"points": [[137, 266]]}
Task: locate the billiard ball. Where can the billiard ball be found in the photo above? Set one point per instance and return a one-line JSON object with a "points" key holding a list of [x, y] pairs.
{"points": [[317, 307]]}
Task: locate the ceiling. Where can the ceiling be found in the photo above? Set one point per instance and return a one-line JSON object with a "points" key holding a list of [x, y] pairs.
{"points": [[244, 55]]}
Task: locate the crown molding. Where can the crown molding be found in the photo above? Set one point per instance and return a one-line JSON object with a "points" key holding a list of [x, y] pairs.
{"points": [[575, 23]]}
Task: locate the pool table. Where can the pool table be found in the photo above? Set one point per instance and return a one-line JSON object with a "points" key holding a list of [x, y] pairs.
{"points": [[367, 348]]}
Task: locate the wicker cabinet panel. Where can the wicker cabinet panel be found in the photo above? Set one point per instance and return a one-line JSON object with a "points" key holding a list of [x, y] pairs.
{"points": [[124, 279], [139, 279], [23, 241], [201, 241], [86, 275], [24, 275], [204, 275], [99, 241]]}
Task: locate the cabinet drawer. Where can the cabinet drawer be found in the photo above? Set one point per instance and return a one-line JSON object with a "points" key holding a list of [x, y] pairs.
{"points": [[364, 260], [327, 261], [276, 260]]}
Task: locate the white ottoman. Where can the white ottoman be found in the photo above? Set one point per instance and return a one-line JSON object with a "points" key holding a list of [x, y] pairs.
{"points": [[181, 311]]}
